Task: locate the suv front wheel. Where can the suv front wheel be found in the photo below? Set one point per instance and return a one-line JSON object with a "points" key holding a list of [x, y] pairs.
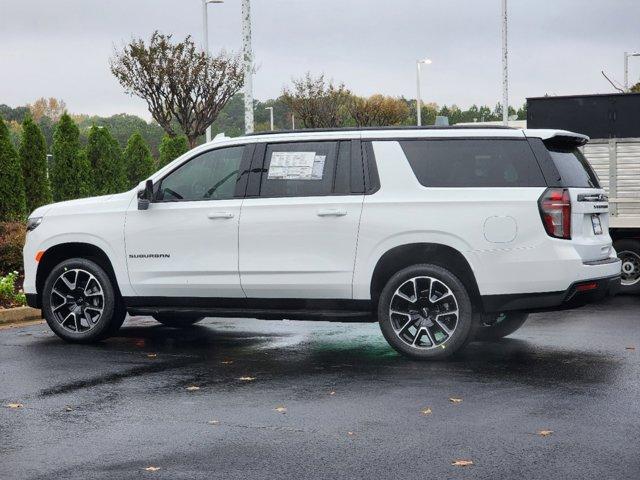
{"points": [[80, 303], [425, 312]]}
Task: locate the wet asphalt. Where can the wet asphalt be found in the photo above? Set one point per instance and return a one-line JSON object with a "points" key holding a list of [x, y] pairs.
{"points": [[318, 400]]}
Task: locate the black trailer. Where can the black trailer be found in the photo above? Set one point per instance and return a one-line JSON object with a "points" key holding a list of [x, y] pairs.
{"points": [[598, 116]]}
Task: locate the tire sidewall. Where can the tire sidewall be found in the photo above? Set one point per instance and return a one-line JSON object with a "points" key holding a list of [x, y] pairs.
{"points": [[102, 328], [464, 329]]}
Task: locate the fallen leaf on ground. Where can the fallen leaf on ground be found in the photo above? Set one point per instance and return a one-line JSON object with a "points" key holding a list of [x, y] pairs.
{"points": [[227, 362], [213, 422], [247, 379], [68, 408], [152, 469], [630, 348], [425, 411], [14, 405], [351, 434], [462, 463], [455, 400], [281, 409], [152, 355], [545, 433], [193, 388], [332, 393]]}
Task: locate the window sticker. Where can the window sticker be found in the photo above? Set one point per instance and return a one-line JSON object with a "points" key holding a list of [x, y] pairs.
{"points": [[296, 166]]}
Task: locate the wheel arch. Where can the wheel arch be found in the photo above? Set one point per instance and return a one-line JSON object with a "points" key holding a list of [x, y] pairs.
{"points": [[64, 251], [403, 256]]}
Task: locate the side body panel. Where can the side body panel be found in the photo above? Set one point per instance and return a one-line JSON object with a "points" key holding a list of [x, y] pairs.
{"points": [[498, 230], [96, 221]]}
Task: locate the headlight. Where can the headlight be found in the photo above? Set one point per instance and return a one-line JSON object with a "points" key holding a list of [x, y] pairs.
{"points": [[33, 222]]}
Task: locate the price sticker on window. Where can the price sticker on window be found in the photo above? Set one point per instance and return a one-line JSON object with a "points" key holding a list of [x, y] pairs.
{"points": [[296, 166]]}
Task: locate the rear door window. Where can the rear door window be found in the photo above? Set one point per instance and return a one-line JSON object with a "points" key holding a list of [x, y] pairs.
{"points": [[301, 169], [573, 167], [473, 163]]}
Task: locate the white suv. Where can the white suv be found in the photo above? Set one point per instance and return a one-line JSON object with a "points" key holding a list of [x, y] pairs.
{"points": [[441, 235]]}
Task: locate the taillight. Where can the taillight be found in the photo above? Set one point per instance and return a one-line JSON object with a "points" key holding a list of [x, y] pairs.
{"points": [[555, 210]]}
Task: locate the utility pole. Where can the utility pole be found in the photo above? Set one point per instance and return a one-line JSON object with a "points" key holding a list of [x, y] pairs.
{"points": [[205, 40], [505, 66], [247, 54]]}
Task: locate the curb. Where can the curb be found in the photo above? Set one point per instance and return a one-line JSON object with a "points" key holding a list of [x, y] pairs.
{"points": [[19, 315]]}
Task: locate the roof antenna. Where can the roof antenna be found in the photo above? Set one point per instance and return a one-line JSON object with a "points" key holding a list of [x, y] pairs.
{"points": [[621, 90]]}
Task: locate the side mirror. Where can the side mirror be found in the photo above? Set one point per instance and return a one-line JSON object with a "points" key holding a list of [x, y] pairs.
{"points": [[145, 196]]}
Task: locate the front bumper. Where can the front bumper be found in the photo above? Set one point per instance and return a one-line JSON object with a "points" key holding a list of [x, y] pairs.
{"points": [[578, 294]]}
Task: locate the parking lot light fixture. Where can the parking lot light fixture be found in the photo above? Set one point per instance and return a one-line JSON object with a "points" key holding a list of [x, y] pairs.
{"points": [[271, 116], [626, 68], [419, 63]]}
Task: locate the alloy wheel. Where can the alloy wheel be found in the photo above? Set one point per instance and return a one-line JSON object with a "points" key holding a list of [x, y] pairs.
{"points": [[77, 300], [630, 267], [424, 312]]}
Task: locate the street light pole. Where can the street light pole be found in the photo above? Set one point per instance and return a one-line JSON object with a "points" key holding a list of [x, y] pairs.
{"points": [[419, 63], [626, 68], [505, 66], [271, 116], [205, 40], [247, 55]]}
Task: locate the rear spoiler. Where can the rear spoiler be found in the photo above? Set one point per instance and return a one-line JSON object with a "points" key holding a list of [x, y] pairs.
{"points": [[559, 138]]}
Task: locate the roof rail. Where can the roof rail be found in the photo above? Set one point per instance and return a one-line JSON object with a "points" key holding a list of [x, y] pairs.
{"points": [[368, 129]]}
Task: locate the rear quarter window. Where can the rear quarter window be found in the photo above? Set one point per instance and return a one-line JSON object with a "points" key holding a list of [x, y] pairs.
{"points": [[573, 167], [473, 163]]}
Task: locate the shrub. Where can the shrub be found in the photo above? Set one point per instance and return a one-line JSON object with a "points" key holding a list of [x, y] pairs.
{"points": [[171, 148], [33, 157], [105, 160], [10, 295], [12, 237], [137, 157], [12, 199], [70, 170]]}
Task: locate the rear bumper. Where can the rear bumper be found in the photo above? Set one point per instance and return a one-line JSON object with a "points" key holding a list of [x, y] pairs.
{"points": [[578, 294]]}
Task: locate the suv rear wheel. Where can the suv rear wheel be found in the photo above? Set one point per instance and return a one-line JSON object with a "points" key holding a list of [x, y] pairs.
{"points": [[498, 325], [425, 312], [80, 303]]}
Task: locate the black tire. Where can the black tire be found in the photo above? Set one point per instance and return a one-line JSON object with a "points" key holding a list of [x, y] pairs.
{"points": [[629, 252], [56, 307], [119, 316], [423, 311], [493, 326], [177, 321]]}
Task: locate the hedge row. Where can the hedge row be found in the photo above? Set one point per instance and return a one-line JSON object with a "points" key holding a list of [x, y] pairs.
{"points": [[99, 168]]}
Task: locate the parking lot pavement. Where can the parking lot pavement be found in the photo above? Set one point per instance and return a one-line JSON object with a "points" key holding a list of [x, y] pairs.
{"points": [[319, 400]]}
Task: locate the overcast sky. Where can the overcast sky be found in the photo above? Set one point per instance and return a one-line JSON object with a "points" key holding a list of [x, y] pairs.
{"points": [[61, 48]]}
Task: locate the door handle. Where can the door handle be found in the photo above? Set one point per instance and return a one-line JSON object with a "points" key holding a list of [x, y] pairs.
{"points": [[214, 215], [331, 212]]}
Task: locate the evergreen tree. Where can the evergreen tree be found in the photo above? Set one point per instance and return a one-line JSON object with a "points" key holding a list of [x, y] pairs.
{"points": [[12, 198], [137, 157], [171, 148], [33, 156], [106, 163], [70, 172]]}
